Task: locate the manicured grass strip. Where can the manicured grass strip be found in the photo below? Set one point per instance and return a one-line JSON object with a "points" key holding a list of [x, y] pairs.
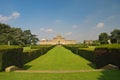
{"points": [[110, 46], [59, 58], [28, 49], [90, 48], [100, 75]]}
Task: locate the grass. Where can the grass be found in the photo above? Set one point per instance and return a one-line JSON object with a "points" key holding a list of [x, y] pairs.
{"points": [[109, 46], [28, 49], [105, 75], [59, 58], [90, 48], [8, 47]]}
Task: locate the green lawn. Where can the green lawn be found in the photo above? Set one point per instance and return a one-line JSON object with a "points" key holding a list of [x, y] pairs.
{"points": [[105, 75], [59, 58], [27, 49]]}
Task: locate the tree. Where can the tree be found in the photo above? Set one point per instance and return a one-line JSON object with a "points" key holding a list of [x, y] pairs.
{"points": [[96, 43], [29, 38], [34, 39], [115, 36], [103, 38], [4, 29], [16, 36]]}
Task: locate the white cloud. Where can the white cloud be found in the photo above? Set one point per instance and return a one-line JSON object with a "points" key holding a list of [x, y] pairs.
{"points": [[100, 25], [74, 26], [47, 30], [68, 33], [14, 15]]}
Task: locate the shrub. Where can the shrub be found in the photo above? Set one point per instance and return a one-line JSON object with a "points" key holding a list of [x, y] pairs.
{"points": [[107, 54], [33, 54], [101, 57], [14, 55], [10, 56], [28, 56], [79, 49], [87, 54], [40, 46], [110, 46]]}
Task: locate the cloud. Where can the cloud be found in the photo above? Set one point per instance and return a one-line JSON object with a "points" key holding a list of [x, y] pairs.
{"points": [[42, 29], [58, 21], [14, 15], [68, 33], [100, 25], [74, 26], [47, 30]]}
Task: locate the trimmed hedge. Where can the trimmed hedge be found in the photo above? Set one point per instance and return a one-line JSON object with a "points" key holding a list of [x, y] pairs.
{"points": [[109, 54], [8, 47], [14, 55], [87, 54], [41, 46], [10, 56], [101, 57], [109, 46], [30, 55]]}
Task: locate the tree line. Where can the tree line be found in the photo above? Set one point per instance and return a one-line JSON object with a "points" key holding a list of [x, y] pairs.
{"points": [[16, 36], [114, 37]]}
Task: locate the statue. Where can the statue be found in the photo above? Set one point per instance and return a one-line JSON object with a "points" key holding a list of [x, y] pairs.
{"points": [[109, 42]]}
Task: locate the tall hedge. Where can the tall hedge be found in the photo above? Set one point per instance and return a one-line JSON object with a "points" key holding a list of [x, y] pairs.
{"points": [[101, 57], [30, 55], [10, 56], [104, 56], [87, 54]]}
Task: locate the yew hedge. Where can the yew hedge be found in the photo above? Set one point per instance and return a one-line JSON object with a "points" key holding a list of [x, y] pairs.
{"points": [[77, 49], [109, 54], [101, 56], [10, 56], [14, 55], [40, 50]]}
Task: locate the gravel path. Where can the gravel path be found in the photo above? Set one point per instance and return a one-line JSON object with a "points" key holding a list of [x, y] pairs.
{"points": [[57, 71]]}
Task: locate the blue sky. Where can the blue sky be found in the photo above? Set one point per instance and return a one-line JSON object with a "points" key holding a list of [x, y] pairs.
{"points": [[73, 19]]}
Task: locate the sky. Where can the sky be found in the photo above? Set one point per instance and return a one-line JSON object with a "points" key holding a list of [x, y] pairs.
{"points": [[73, 19]]}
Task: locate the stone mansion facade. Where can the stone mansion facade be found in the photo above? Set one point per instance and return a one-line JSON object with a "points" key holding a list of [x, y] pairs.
{"points": [[57, 40]]}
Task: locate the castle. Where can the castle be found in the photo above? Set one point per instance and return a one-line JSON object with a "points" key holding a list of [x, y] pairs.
{"points": [[57, 40]]}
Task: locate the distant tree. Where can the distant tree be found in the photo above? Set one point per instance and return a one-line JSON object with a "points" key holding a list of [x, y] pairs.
{"points": [[16, 36], [103, 38], [34, 39], [96, 43], [115, 36], [29, 38], [4, 33]]}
